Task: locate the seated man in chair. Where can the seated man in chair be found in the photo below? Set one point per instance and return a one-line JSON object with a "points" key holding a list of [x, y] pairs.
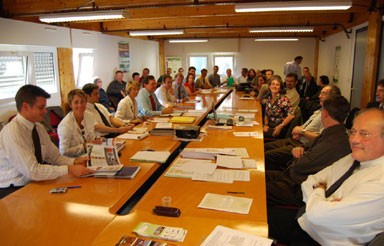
{"points": [[278, 152]]}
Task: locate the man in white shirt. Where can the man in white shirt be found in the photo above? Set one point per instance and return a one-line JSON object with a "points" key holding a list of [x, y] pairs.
{"points": [[106, 125], [26, 148], [350, 213], [243, 77], [165, 93], [294, 67]]}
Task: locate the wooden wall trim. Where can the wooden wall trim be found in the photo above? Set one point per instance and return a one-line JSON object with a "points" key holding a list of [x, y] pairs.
{"points": [[162, 56], [66, 74], [371, 58]]}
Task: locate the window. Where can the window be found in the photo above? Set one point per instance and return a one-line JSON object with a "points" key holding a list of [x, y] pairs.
{"points": [[199, 62], [44, 71], [85, 69], [26, 65], [13, 74], [224, 62], [83, 66]]}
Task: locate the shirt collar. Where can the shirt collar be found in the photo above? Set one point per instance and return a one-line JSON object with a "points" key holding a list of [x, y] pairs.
{"points": [[370, 163], [29, 125]]}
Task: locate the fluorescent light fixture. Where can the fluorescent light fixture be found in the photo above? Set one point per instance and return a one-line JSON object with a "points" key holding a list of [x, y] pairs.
{"points": [[293, 6], [83, 16], [280, 29], [156, 32], [188, 40], [275, 39]]}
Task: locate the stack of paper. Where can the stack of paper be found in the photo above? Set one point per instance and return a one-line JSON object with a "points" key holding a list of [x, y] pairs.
{"points": [[211, 153], [232, 204], [136, 136], [151, 156], [183, 119], [226, 236], [185, 168], [163, 129]]}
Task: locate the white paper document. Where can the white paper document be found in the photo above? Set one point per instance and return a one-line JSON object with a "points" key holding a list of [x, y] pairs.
{"points": [[229, 161], [218, 176], [224, 236], [249, 134], [162, 125], [184, 168], [211, 153], [233, 204], [249, 163], [223, 176], [137, 136], [151, 156], [138, 130]]}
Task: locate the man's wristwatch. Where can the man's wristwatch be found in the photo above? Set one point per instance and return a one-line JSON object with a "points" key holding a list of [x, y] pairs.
{"points": [[303, 131]]}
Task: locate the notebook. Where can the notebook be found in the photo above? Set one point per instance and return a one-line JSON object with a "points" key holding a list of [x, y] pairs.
{"points": [[123, 173], [183, 119]]}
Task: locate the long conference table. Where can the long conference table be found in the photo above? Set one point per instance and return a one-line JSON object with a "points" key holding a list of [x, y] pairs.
{"points": [[105, 209]]}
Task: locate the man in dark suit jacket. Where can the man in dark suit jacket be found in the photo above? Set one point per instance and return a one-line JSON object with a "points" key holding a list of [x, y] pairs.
{"points": [[283, 187], [309, 87], [379, 95]]}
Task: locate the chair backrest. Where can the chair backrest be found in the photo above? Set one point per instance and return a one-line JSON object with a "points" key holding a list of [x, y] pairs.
{"points": [[53, 117], [351, 116], [378, 240]]}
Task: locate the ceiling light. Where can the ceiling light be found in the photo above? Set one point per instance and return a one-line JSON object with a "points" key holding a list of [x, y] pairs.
{"points": [[83, 16], [280, 29], [188, 40], [275, 39], [292, 6], [156, 32]]}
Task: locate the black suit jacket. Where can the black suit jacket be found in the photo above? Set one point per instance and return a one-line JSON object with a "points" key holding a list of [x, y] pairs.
{"points": [[311, 90]]}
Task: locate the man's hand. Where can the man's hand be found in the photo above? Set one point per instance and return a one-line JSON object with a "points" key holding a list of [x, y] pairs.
{"points": [[298, 152], [276, 132], [81, 161], [124, 129], [297, 130], [79, 170], [167, 110]]}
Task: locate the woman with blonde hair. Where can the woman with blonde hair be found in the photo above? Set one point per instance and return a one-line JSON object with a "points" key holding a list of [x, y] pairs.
{"points": [[127, 110], [77, 127]]}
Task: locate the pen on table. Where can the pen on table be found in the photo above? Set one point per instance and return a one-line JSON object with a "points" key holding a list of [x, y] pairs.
{"points": [[148, 150], [73, 187], [235, 192]]}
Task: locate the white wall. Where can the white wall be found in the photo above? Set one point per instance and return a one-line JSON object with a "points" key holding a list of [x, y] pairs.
{"points": [[248, 53], [143, 53], [327, 58]]}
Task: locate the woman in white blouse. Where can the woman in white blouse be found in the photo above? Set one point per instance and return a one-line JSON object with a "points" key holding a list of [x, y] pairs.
{"points": [[77, 127], [127, 110]]}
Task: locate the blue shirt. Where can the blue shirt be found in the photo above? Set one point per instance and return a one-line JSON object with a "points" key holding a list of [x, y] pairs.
{"points": [[144, 104]]}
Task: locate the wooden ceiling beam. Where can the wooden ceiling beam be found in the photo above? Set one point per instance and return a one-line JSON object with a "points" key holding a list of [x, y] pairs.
{"points": [[228, 21]]}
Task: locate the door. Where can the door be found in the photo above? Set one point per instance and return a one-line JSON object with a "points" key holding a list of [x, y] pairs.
{"points": [[358, 67]]}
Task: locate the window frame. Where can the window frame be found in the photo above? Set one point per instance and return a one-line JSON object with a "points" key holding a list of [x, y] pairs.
{"points": [[198, 73], [28, 51], [233, 63]]}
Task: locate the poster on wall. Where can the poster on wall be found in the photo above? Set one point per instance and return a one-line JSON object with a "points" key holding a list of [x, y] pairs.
{"points": [[124, 60], [174, 63], [337, 63]]}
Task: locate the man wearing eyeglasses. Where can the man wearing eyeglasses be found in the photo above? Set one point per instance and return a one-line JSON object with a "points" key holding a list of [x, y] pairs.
{"points": [[344, 202], [278, 153]]}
